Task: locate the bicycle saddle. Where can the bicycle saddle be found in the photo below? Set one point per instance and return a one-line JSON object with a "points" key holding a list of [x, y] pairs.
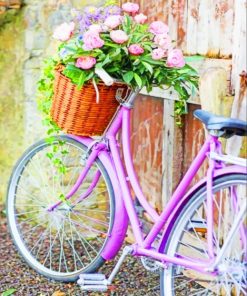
{"points": [[226, 127]]}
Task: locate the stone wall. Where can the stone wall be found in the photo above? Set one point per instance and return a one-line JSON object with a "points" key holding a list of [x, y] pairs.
{"points": [[25, 40]]}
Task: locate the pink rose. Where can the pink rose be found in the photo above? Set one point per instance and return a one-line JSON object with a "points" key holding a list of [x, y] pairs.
{"points": [[85, 63], [113, 21], [158, 54], [140, 18], [64, 31], [135, 49], [92, 40], [158, 28], [119, 36], [163, 41], [95, 28], [130, 7], [175, 59]]}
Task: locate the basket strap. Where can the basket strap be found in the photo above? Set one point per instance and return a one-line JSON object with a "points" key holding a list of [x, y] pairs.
{"points": [[96, 90]]}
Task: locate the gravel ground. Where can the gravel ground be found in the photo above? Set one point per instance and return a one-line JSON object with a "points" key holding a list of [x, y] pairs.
{"points": [[132, 279]]}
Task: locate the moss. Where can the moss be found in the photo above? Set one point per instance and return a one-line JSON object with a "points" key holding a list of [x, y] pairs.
{"points": [[12, 54]]}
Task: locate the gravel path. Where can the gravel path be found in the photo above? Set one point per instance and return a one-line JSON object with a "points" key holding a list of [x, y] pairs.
{"points": [[132, 279]]}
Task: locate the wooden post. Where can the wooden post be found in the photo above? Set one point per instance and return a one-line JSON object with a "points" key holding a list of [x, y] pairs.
{"points": [[213, 90]]}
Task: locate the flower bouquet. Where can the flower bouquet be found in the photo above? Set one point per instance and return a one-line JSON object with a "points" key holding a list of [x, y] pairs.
{"points": [[104, 52]]}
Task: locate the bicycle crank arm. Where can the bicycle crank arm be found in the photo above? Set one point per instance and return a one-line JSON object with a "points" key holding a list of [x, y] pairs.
{"points": [[99, 282]]}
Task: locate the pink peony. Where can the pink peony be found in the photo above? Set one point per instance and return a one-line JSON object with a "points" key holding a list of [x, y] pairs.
{"points": [[95, 28], [175, 59], [92, 40], [119, 36], [158, 54], [140, 18], [64, 31], [135, 49], [158, 27], [130, 7], [113, 21], [163, 41], [85, 63]]}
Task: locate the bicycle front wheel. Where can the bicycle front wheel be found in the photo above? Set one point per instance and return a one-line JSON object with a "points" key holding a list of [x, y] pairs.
{"points": [[188, 239], [69, 240]]}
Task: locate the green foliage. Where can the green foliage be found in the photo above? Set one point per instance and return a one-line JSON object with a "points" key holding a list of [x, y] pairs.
{"points": [[136, 71], [9, 292]]}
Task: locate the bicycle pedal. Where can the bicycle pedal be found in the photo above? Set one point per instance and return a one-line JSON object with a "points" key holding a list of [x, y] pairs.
{"points": [[93, 282]]}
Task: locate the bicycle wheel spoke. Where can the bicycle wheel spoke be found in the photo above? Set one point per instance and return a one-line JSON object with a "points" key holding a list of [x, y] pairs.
{"points": [[189, 242], [51, 246], [91, 229], [69, 239], [28, 212], [72, 245], [83, 240], [93, 219]]}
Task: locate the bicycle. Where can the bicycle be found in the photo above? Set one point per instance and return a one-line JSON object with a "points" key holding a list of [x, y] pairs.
{"points": [[198, 243]]}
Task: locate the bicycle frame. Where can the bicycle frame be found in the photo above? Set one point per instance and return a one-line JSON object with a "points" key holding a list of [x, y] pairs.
{"points": [[143, 246]]}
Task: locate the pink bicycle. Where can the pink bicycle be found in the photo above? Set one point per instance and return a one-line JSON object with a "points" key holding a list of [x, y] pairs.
{"points": [[198, 243]]}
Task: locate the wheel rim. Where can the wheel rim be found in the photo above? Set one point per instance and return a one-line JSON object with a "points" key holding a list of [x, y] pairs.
{"points": [[189, 240], [69, 239]]}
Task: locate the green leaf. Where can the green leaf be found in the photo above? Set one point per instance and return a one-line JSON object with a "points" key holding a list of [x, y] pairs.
{"points": [[136, 62], [106, 60], [148, 66], [138, 80], [152, 62], [9, 292], [128, 76], [111, 45], [194, 58], [49, 155], [81, 80]]}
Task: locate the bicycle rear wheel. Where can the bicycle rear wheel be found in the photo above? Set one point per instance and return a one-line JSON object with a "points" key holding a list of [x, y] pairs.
{"points": [[188, 239], [63, 243]]}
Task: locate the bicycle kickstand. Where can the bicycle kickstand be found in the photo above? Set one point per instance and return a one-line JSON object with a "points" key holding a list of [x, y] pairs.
{"points": [[99, 282]]}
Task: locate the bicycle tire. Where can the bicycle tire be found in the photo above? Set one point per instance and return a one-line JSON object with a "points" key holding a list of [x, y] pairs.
{"points": [[175, 244], [18, 170]]}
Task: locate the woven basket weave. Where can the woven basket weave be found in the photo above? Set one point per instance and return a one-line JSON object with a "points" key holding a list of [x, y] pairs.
{"points": [[77, 112]]}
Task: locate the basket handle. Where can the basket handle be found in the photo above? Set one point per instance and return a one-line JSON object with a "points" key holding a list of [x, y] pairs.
{"points": [[104, 76], [96, 90]]}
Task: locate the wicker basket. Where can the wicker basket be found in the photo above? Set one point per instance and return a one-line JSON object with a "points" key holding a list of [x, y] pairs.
{"points": [[77, 112]]}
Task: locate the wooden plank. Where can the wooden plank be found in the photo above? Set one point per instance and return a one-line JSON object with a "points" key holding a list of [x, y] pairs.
{"points": [[226, 9], [214, 29], [167, 154], [213, 88], [237, 145], [193, 139], [147, 144], [191, 34], [202, 27], [173, 19]]}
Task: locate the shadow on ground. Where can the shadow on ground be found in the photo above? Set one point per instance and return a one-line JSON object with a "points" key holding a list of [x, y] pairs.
{"points": [[132, 279]]}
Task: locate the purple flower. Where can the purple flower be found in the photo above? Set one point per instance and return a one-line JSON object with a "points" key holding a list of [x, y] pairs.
{"points": [[112, 10], [93, 13], [84, 24], [63, 53]]}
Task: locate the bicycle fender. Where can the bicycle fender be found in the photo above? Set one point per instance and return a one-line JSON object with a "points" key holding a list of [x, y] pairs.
{"points": [[121, 220], [234, 169]]}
